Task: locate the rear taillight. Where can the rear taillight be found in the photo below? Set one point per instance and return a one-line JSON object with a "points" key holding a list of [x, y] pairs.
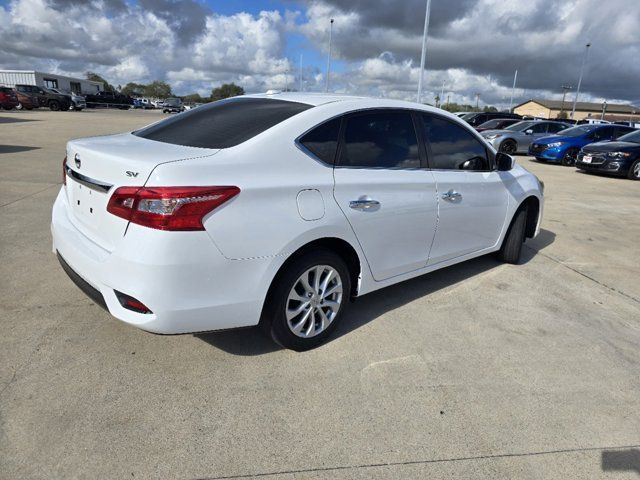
{"points": [[168, 208], [64, 170], [3, 96]]}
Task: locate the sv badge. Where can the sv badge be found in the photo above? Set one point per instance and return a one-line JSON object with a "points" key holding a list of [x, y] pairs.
{"points": [[131, 174]]}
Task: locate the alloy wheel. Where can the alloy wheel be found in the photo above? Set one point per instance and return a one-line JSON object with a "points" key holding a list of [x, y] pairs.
{"points": [[508, 147], [314, 301], [636, 170]]}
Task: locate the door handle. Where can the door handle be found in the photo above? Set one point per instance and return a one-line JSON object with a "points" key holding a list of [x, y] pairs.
{"points": [[452, 196], [364, 203]]}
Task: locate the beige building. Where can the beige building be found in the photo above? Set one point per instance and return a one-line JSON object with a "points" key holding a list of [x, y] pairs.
{"points": [[550, 109]]}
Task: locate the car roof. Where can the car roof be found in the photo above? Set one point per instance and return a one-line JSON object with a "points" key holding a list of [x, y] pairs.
{"points": [[352, 102], [309, 98]]}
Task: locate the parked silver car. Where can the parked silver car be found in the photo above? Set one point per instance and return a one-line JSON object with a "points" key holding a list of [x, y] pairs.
{"points": [[516, 138]]}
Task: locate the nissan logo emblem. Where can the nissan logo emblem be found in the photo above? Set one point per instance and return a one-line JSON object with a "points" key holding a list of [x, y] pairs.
{"points": [[77, 160]]}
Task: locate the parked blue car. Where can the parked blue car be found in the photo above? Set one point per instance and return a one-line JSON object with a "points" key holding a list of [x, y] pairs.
{"points": [[564, 146]]}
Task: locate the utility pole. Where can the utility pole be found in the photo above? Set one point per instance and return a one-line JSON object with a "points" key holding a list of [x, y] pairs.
{"points": [[326, 89], [448, 98], [584, 61], [513, 88], [300, 87], [477, 100], [424, 49], [604, 110], [565, 89]]}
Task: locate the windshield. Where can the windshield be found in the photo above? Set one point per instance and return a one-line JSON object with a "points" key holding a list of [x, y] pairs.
{"points": [[520, 126], [630, 137], [222, 124], [577, 131]]}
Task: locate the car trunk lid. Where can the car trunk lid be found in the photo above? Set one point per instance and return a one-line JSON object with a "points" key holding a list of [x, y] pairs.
{"points": [[97, 166]]}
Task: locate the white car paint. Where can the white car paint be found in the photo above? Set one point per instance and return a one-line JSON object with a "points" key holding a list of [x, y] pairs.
{"points": [[218, 278]]}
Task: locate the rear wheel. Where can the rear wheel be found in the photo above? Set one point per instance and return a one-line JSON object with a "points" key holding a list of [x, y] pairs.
{"points": [[54, 105], [307, 300], [509, 147], [634, 171], [569, 159], [512, 243]]}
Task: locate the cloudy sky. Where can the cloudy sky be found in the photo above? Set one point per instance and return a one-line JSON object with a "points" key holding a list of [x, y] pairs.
{"points": [[474, 46]]}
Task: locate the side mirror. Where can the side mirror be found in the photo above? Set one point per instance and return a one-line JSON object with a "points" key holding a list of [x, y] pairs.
{"points": [[528, 132], [504, 162]]}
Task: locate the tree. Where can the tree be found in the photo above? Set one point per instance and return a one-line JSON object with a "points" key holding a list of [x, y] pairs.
{"points": [[158, 89], [97, 78], [133, 89], [226, 90], [193, 98]]}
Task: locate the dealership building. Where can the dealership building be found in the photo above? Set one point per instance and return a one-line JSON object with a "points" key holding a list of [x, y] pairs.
{"points": [[11, 78], [550, 109]]}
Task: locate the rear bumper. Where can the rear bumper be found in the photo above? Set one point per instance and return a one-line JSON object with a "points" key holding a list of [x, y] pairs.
{"points": [[184, 280]]}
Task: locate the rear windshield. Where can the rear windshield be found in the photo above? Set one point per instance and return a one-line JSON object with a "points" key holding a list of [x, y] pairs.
{"points": [[222, 124]]}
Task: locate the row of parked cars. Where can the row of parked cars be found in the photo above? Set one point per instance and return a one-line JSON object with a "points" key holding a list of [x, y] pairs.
{"points": [[605, 148], [29, 97]]}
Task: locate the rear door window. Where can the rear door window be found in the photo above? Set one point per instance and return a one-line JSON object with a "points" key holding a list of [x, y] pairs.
{"points": [[380, 139], [322, 141], [222, 124]]}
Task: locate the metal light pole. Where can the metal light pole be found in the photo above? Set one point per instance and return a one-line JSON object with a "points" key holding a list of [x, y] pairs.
{"points": [[326, 89], [565, 89], [477, 101], [424, 48], [442, 94], [584, 61], [300, 87], [513, 89], [604, 110]]}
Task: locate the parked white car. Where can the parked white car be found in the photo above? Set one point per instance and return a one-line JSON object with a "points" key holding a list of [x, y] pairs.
{"points": [[280, 208]]}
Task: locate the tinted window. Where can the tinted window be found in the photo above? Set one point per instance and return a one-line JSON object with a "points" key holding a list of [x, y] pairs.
{"points": [[384, 139], [634, 137], [222, 124], [322, 141], [603, 133], [540, 127], [622, 131], [453, 147], [555, 127]]}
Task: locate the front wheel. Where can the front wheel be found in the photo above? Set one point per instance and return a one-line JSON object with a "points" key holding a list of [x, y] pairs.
{"points": [[512, 243], [307, 300], [569, 159], [509, 147], [54, 106], [634, 171]]}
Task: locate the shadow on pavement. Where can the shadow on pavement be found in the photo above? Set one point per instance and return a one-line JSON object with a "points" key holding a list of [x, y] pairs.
{"points": [[16, 120], [252, 341], [621, 461], [16, 148]]}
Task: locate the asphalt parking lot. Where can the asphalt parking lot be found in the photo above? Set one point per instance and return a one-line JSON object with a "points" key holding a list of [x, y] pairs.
{"points": [[481, 370]]}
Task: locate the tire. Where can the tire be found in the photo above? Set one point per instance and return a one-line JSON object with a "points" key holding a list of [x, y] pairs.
{"points": [[634, 171], [569, 159], [284, 314], [512, 243], [54, 106], [510, 147]]}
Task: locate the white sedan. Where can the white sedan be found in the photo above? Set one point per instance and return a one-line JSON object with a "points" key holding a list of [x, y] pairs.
{"points": [[278, 209]]}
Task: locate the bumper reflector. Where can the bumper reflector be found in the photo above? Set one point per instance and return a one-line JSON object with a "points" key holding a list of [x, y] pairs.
{"points": [[131, 303]]}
